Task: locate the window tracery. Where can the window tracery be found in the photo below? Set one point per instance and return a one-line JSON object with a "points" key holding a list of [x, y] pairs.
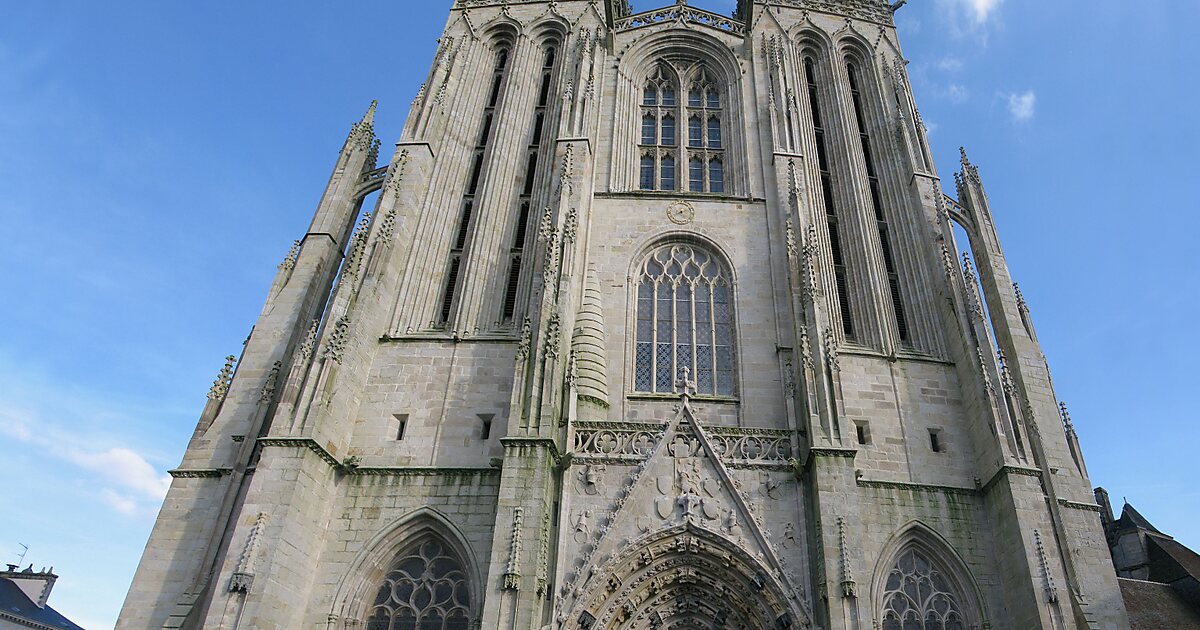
{"points": [[918, 596], [425, 589], [684, 320], [665, 116]]}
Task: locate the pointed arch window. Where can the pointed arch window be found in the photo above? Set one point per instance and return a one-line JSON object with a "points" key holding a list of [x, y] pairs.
{"points": [[675, 134], [918, 596], [685, 319], [426, 588]]}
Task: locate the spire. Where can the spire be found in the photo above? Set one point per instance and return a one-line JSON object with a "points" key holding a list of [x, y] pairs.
{"points": [[369, 117], [362, 134]]}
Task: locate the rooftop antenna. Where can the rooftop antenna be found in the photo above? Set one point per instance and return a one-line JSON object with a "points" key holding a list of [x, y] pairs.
{"points": [[24, 550]]}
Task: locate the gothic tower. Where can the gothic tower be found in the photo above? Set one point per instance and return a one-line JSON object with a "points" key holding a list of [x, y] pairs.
{"points": [[650, 321]]}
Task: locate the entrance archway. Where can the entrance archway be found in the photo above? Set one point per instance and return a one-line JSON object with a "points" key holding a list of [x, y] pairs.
{"points": [[684, 578]]}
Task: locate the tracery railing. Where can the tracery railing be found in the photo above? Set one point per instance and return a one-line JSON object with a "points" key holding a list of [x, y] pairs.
{"points": [[681, 13]]}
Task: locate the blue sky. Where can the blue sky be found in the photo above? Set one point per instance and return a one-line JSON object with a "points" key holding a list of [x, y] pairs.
{"points": [[158, 158]]}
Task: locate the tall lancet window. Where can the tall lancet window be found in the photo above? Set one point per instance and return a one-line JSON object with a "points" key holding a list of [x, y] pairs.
{"points": [[465, 227], [831, 216], [537, 138], [919, 597], [706, 155], [684, 320], [881, 224], [425, 589], [660, 125]]}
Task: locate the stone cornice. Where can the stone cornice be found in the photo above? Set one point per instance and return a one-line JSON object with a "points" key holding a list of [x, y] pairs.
{"points": [[1076, 505], [919, 487], [199, 473], [308, 443], [1011, 470], [419, 471], [832, 452]]}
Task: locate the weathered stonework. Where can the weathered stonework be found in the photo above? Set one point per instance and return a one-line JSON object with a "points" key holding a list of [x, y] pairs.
{"points": [[487, 383]]}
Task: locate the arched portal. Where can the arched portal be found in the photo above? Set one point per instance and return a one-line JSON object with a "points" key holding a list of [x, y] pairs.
{"points": [[683, 578]]}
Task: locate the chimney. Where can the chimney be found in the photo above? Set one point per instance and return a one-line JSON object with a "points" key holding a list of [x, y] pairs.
{"points": [[35, 585]]}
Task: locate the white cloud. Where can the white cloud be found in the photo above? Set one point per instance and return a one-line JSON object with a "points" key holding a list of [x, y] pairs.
{"points": [[969, 18], [140, 481], [983, 8], [124, 467], [118, 502], [950, 64], [1022, 106], [956, 93]]}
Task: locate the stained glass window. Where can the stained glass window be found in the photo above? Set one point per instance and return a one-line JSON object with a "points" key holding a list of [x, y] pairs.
{"points": [[919, 597], [426, 589], [684, 320]]}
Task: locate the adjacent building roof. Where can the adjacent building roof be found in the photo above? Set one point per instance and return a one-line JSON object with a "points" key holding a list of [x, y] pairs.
{"points": [[16, 607], [1155, 606]]}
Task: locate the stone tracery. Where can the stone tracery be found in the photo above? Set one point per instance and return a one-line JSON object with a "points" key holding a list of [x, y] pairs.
{"points": [[426, 588]]}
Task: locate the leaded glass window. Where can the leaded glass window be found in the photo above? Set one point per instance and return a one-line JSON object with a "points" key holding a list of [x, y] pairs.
{"points": [[660, 129], [704, 133], [668, 124], [919, 597], [426, 589], [684, 320]]}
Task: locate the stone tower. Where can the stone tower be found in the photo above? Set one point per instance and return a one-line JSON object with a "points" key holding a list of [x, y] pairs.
{"points": [[650, 321]]}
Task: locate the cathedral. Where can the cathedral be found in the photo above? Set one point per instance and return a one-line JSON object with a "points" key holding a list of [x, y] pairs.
{"points": [[651, 321]]}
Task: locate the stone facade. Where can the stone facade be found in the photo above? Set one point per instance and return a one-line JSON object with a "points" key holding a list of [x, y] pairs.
{"points": [[538, 385]]}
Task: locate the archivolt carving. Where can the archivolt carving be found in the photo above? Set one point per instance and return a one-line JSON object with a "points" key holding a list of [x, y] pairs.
{"points": [[683, 577]]}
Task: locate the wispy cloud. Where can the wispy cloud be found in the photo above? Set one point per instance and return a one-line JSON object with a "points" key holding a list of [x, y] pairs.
{"points": [[123, 467], [956, 93], [129, 483], [1023, 105], [983, 9], [969, 17], [950, 64]]}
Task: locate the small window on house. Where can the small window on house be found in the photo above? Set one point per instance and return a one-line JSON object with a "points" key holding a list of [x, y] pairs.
{"points": [[935, 440], [401, 425], [485, 430]]}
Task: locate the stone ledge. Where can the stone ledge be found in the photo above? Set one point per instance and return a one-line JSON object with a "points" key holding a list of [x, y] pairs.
{"points": [[923, 487], [199, 473]]}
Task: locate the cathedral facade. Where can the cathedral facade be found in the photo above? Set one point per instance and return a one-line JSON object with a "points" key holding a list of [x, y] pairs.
{"points": [[651, 320]]}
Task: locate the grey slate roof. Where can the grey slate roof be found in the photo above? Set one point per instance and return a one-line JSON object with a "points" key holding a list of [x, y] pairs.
{"points": [[15, 606], [1154, 606]]}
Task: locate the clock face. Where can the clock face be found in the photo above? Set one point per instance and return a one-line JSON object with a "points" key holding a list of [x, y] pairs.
{"points": [[681, 213]]}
